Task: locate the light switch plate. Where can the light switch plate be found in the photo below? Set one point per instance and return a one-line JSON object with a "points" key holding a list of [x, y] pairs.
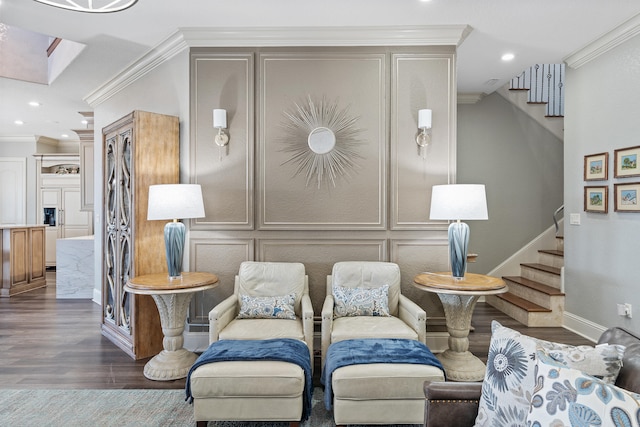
{"points": [[574, 219]]}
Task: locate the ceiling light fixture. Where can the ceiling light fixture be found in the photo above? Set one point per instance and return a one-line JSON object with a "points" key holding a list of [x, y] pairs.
{"points": [[34, 103], [508, 56], [18, 122], [91, 6]]}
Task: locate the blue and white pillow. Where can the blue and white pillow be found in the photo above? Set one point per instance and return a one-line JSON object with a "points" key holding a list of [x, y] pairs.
{"points": [[568, 397], [361, 301], [509, 380], [276, 307]]}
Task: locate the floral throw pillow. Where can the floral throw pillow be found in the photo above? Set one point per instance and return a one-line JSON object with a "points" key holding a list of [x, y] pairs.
{"points": [[568, 397], [361, 301], [509, 380], [277, 307]]}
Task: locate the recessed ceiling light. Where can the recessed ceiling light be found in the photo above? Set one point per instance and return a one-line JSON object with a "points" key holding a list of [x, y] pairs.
{"points": [[64, 135], [34, 103], [84, 122], [508, 56], [18, 122]]}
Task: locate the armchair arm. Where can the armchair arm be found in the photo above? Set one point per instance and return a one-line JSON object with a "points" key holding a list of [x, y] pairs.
{"points": [[451, 403], [221, 315], [327, 326], [413, 315], [307, 322]]}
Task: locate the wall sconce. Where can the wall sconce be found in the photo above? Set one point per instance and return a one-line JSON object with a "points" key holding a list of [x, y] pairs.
{"points": [[220, 123], [424, 136]]}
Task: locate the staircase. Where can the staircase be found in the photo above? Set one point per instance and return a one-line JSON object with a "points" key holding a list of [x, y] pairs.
{"points": [[535, 298]]}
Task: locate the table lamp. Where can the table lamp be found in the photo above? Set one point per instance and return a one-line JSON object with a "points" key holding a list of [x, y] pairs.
{"points": [[458, 202], [175, 201]]}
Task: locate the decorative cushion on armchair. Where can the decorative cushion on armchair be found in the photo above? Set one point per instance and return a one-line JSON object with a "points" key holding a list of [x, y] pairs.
{"points": [[373, 308], [270, 300]]}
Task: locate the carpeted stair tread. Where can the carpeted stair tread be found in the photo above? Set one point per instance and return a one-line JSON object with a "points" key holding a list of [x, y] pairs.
{"points": [[532, 284], [522, 303], [543, 267]]}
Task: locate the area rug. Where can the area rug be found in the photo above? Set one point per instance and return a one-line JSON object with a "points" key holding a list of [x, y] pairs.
{"points": [[122, 408]]}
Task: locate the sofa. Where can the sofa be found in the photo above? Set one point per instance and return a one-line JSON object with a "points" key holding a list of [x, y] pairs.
{"points": [[457, 403]]}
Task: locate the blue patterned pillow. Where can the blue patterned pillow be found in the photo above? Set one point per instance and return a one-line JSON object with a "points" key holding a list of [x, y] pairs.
{"points": [[361, 301], [278, 307], [509, 380], [565, 396]]}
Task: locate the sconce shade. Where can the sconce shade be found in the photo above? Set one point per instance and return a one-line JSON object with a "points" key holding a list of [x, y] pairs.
{"points": [[458, 202], [424, 119], [220, 119], [175, 201]]}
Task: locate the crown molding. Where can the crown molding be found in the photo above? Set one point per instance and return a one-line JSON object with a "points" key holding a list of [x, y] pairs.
{"points": [[183, 38], [605, 43], [435, 35], [164, 51]]}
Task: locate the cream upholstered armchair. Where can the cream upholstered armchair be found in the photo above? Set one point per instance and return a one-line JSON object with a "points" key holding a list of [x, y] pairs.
{"points": [[260, 307], [340, 321]]}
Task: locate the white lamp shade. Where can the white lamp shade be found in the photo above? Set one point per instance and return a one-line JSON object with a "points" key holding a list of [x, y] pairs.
{"points": [[458, 202], [424, 119], [175, 201], [220, 118]]}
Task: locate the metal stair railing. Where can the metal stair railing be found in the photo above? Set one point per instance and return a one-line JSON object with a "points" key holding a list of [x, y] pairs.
{"points": [[545, 83]]}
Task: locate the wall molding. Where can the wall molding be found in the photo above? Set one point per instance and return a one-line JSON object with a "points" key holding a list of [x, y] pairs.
{"points": [[582, 326], [605, 43], [184, 38]]}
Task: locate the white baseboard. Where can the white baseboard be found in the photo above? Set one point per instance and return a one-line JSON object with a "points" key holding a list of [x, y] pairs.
{"points": [[583, 327]]}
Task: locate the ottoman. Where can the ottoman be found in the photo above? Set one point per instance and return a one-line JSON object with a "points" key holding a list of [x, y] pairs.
{"points": [[246, 380], [381, 393], [247, 391]]}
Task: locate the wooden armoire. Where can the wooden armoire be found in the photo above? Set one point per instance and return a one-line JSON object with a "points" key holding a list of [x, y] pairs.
{"points": [[138, 150]]}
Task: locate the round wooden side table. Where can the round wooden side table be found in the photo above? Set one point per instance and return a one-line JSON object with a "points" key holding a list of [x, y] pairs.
{"points": [[459, 297], [172, 296]]}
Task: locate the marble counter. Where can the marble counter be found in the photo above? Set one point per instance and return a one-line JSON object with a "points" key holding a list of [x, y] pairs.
{"points": [[74, 269]]}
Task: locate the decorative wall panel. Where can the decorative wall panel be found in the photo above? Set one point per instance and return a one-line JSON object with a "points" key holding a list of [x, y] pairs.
{"points": [[417, 256], [226, 174], [221, 257], [352, 87], [420, 81], [318, 257]]}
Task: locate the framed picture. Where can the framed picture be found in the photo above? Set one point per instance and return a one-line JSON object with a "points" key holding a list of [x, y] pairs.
{"points": [[626, 199], [596, 199], [596, 167], [626, 162]]}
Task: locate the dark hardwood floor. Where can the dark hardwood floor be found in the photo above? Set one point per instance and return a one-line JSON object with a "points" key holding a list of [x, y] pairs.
{"points": [[49, 343]]}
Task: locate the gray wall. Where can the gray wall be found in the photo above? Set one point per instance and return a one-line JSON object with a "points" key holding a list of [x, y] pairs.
{"points": [[521, 164], [602, 115]]}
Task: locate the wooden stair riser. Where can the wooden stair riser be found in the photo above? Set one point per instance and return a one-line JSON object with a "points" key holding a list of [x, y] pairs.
{"points": [[536, 297], [528, 318], [550, 259], [547, 278]]}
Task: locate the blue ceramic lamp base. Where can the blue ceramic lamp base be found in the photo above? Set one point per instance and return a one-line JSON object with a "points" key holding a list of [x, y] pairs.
{"points": [[458, 245], [174, 246]]}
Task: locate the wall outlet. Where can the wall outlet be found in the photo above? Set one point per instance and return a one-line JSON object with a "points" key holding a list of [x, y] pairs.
{"points": [[624, 310]]}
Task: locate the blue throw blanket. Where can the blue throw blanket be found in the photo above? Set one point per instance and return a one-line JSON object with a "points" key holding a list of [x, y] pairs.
{"points": [[374, 350], [281, 349]]}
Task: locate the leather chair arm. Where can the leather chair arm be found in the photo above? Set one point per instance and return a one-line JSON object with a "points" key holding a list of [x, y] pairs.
{"points": [[326, 327], [414, 316], [451, 403], [307, 322], [221, 315]]}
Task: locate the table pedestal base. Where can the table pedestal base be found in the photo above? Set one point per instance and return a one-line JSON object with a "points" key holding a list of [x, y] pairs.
{"points": [[462, 366], [169, 365]]}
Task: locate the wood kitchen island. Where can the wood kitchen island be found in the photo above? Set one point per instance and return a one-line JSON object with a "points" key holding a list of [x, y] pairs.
{"points": [[23, 258]]}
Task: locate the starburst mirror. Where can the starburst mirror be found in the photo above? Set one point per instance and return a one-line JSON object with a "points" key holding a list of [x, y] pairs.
{"points": [[322, 141]]}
